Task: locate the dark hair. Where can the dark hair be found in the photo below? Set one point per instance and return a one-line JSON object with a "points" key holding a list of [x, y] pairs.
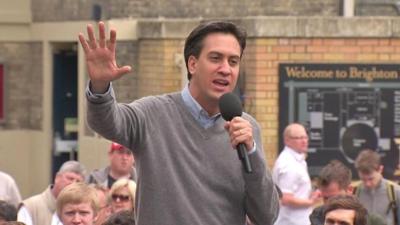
{"points": [[337, 172], [125, 217], [367, 161], [347, 202], [194, 42], [8, 212]]}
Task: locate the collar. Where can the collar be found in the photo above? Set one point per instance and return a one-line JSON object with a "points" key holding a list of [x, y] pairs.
{"points": [[298, 156], [196, 110], [381, 184]]}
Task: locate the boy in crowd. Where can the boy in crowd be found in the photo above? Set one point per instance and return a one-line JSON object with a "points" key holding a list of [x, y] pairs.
{"points": [[78, 204]]}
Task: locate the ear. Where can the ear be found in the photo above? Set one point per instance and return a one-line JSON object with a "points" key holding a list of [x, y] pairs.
{"points": [[95, 217], [57, 177], [380, 169], [192, 64], [349, 189]]}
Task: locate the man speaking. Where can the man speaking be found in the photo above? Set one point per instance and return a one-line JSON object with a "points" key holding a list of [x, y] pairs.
{"points": [[185, 153]]}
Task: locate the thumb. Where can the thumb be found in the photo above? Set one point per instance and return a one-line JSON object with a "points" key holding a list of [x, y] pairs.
{"points": [[123, 70]]}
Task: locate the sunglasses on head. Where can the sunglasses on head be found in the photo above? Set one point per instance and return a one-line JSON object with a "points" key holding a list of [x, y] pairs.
{"points": [[122, 198]]}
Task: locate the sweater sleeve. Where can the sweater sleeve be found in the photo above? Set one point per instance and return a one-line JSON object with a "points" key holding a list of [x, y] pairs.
{"points": [[114, 121], [262, 201]]}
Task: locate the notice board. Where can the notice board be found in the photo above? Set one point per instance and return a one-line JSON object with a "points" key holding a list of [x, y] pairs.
{"points": [[345, 108]]}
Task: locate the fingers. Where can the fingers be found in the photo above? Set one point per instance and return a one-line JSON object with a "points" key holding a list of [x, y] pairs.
{"points": [[113, 38], [102, 43], [241, 136], [84, 43], [102, 35], [92, 38], [240, 131]]}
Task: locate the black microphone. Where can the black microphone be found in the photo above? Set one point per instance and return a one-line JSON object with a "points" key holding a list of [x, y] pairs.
{"points": [[230, 106]]}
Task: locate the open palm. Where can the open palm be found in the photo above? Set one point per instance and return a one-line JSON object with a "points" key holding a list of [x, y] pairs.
{"points": [[100, 58]]}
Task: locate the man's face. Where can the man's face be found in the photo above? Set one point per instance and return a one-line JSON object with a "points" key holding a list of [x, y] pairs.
{"points": [[77, 214], [64, 179], [216, 70], [340, 217], [297, 139], [371, 180], [121, 161], [331, 190]]}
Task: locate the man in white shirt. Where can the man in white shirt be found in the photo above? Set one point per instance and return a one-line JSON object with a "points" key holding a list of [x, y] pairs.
{"points": [[39, 209], [9, 191], [291, 175]]}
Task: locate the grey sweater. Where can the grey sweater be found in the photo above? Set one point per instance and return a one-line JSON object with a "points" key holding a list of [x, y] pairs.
{"points": [[377, 200], [186, 174]]}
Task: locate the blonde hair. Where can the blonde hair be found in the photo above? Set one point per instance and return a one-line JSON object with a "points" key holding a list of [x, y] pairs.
{"points": [[123, 182], [77, 193], [12, 223]]}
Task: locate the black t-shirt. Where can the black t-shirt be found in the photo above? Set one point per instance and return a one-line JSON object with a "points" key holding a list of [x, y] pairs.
{"points": [[111, 180]]}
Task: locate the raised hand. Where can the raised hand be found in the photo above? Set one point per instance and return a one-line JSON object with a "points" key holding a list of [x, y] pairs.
{"points": [[100, 58]]}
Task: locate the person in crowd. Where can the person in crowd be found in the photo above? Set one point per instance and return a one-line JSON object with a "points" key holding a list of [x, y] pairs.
{"points": [[9, 191], [122, 195], [77, 204], [184, 150], [121, 218], [39, 209], [121, 165], [104, 206], [291, 175], [12, 223], [8, 212], [345, 210], [377, 194], [335, 179]]}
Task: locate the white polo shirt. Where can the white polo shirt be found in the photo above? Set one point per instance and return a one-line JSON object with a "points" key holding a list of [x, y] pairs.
{"points": [[291, 175]]}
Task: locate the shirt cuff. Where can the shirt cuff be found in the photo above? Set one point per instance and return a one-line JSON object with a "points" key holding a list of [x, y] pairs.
{"points": [[253, 149], [95, 95]]}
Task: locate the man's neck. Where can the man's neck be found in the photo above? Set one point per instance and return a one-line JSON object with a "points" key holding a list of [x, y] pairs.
{"points": [[210, 106], [117, 175]]}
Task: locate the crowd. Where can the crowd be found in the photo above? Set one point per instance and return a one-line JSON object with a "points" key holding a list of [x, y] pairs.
{"points": [[107, 196], [75, 197], [184, 154], [377, 196]]}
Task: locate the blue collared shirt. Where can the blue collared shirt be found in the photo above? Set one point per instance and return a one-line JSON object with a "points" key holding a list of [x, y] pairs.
{"points": [[200, 114], [197, 111]]}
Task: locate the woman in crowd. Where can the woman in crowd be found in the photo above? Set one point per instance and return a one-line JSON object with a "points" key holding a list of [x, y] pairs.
{"points": [[122, 195]]}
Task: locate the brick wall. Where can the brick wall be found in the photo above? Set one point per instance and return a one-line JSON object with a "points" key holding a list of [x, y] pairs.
{"points": [[23, 85], [264, 55], [158, 73], [126, 88], [50, 10]]}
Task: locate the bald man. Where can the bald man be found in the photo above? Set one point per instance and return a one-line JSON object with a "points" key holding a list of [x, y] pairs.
{"points": [[291, 175]]}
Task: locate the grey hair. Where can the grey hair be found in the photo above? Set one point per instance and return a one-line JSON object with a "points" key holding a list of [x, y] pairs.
{"points": [[73, 166]]}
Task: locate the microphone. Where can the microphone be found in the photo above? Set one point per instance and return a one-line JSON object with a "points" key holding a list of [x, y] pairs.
{"points": [[230, 106]]}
